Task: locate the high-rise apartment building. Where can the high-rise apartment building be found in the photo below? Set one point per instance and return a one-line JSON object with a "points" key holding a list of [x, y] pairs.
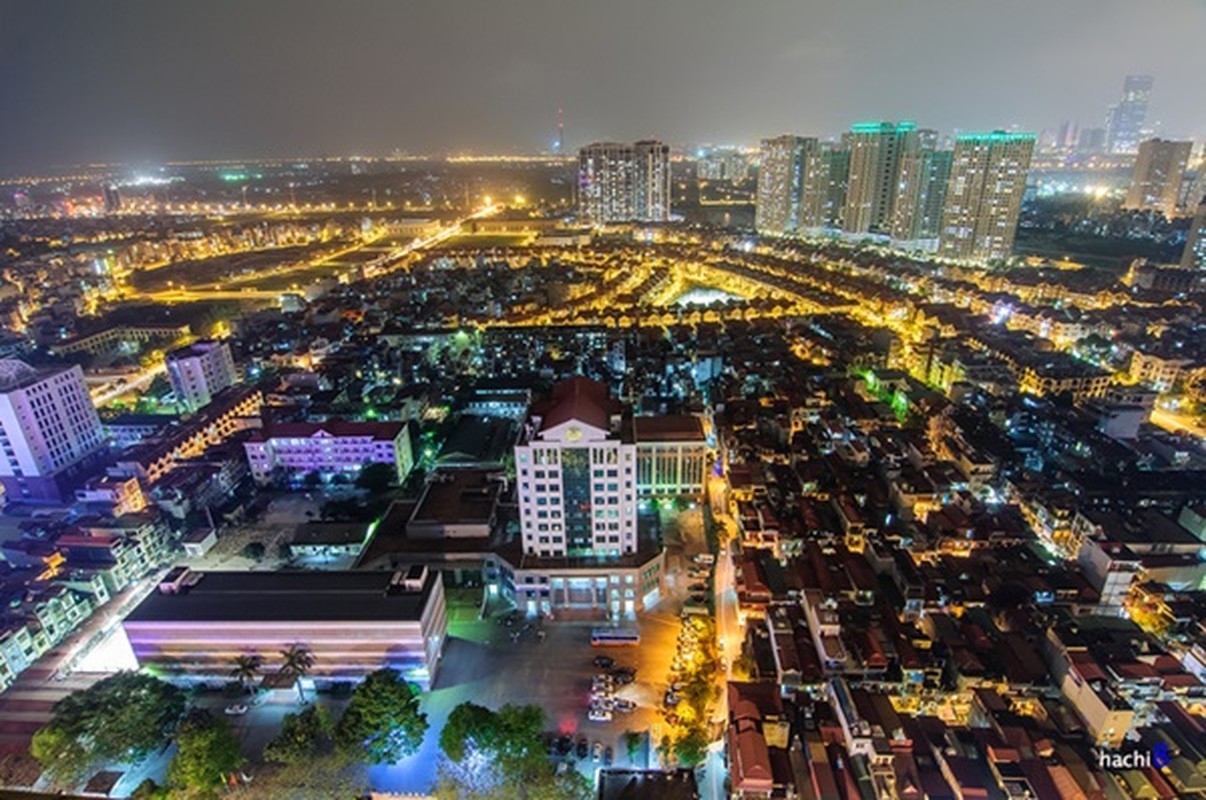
{"points": [[624, 183], [199, 371], [917, 209], [984, 195], [781, 184], [1124, 123], [1195, 246], [49, 429], [876, 150], [651, 181], [1156, 179]]}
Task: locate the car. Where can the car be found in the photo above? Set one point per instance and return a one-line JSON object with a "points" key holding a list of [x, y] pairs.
{"points": [[698, 587], [608, 756], [671, 699], [604, 662], [598, 751], [236, 710], [625, 678], [598, 715], [699, 598], [583, 747], [624, 706], [565, 745]]}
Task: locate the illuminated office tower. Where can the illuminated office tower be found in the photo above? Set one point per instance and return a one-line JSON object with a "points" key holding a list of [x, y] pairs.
{"points": [[835, 160], [624, 183], [917, 209], [781, 182], [651, 181], [1195, 246], [984, 195], [1156, 179], [875, 155], [1124, 123]]}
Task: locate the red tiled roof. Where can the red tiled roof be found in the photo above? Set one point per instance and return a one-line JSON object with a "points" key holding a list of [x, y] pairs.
{"points": [[380, 431], [579, 399]]}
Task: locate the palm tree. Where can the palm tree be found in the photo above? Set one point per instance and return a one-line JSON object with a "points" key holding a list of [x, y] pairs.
{"points": [[246, 667], [297, 663]]}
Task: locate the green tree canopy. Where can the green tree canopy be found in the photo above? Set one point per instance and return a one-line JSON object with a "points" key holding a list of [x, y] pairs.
{"points": [[303, 736], [382, 722], [206, 757], [376, 477], [123, 717]]}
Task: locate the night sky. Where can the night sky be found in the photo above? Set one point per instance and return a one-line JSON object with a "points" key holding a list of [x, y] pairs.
{"points": [[143, 81]]}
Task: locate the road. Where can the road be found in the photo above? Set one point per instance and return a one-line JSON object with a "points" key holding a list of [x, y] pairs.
{"points": [[729, 635], [1172, 421], [177, 296], [143, 378]]}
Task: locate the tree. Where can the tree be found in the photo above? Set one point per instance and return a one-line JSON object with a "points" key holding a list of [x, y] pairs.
{"points": [[692, 747], [121, 718], [319, 778], [382, 722], [302, 736], [246, 668], [206, 756], [632, 744], [468, 724], [376, 477], [298, 661], [254, 550]]}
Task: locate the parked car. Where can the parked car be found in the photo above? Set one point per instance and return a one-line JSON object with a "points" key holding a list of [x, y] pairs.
{"points": [[236, 710], [565, 745], [604, 662], [598, 751], [624, 706], [599, 715], [698, 587], [583, 747], [608, 756]]}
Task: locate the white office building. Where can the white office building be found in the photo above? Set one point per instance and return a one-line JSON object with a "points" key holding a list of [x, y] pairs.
{"points": [[49, 430], [199, 371]]}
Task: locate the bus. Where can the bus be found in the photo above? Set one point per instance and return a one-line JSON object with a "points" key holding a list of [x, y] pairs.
{"points": [[615, 637]]}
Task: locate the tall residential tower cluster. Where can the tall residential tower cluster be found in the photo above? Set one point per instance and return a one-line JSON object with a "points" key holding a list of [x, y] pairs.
{"points": [[892, 180]]}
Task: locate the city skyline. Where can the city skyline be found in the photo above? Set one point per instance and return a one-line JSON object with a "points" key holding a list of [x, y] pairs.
{"points": [[256, 83]]}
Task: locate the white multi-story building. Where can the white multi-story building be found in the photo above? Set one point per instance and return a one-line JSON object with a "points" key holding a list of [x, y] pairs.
{"points": [[577, 482], [199, 371], [49, 430], [296, 449]]}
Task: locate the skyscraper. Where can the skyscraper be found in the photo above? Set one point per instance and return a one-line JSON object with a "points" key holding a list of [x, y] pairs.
{"points": [[984, 195], [924, 170], [651, 181], [1195, 246], [875, 155], [624, 183], [1124, 123], [1156, 179], [199, 371], [780, 197], [48, 429]]}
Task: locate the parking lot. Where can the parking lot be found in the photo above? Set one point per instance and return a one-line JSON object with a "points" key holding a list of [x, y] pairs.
{"points": [[483, 665]]}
